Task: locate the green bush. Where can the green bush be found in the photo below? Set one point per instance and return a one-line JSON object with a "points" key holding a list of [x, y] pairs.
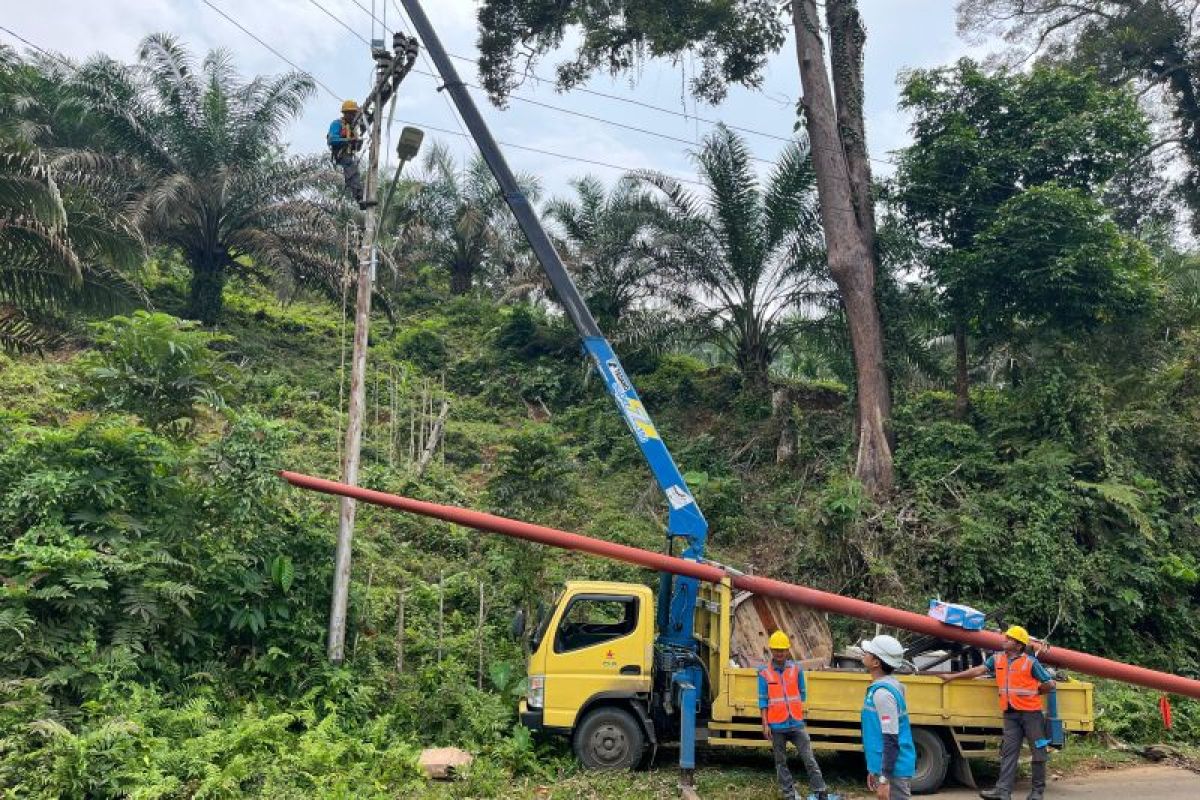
{"points": [[1132, 715], [154, 366], [533, 472]]}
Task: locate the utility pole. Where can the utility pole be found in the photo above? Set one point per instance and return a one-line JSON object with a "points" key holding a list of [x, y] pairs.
{"points": [[391, 68]]}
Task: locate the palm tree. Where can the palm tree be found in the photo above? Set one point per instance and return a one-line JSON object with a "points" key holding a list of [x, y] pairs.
{"points": [[212, 182], [460, 219], [64, 243], [745, 261], [607, 237]]}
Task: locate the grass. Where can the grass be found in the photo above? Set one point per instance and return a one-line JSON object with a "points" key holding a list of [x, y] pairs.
{"points": [[746, 775]]}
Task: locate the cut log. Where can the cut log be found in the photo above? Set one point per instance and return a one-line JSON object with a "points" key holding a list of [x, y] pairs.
{"points": [[756, 617]]}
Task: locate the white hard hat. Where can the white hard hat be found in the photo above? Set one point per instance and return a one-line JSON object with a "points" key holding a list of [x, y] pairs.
{"points": [[886, 648]]}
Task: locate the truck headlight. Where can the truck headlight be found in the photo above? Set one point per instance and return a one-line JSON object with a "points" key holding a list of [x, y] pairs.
{"points": [[536, 697]]}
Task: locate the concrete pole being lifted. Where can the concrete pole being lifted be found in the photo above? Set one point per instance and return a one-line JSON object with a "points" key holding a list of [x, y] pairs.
{"points": [[706, 571], [358, 389]]}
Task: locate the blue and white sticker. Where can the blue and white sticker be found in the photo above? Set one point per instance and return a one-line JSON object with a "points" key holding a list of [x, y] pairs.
{"points": [[619, 376], [678, 497]]}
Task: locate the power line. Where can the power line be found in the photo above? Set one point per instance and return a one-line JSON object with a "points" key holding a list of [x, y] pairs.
{"points": [[278, 54], [463, 134], [454, 115], [629, 100], [540, 151], [540, 103]]}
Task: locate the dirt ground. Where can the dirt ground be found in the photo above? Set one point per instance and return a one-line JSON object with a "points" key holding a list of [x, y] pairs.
{"points": [[1135, 783]]}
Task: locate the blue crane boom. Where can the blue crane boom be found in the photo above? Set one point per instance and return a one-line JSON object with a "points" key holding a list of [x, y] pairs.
{"points": [[677, 594]]}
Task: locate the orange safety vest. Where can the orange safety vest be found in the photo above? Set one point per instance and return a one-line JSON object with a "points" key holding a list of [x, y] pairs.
{"points": [[783, 699], [1018, 688]]}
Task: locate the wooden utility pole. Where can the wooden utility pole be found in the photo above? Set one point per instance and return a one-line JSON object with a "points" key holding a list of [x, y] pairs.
{"points": [[390, 70]]}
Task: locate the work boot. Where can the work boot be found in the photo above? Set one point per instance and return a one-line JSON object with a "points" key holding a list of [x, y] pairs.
{"points": [[1039, 780], [995, 793]]}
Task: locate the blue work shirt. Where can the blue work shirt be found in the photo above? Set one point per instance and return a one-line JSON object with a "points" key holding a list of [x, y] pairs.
{"points": [[789, 724], [1040, 673]]}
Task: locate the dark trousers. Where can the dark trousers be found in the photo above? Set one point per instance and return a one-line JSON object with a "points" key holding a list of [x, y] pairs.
{"points": [[1021, 726], [350, 174], [799, 738]]}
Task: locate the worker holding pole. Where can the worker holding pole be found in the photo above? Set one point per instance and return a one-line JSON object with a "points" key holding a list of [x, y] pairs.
{"points": [[781, 696], [1021, 680], [886, 735], [344, 143]]}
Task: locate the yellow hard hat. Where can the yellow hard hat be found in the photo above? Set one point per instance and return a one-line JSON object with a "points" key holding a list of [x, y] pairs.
{"points": [[1018, 633], [349, 105], [779, 641]]}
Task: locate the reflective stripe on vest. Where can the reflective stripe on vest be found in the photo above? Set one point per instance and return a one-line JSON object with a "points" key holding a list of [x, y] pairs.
{"points": [[783, 699], [1018, 688]]}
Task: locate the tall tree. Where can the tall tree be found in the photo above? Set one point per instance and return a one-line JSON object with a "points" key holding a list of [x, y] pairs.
{"points": [[460, 219], [608, 235], [65, 242], [981, 139], [1150, 42], [732, 41], [746, 258], [211, 180], [833, 116]]}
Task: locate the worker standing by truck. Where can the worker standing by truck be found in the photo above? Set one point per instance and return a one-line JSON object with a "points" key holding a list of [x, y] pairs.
{"points": [[781, 695], [1021, 680], [886, 734]]}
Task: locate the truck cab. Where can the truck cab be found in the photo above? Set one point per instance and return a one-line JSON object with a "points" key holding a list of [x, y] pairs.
{"points": [[594, 650], [595, 677]]}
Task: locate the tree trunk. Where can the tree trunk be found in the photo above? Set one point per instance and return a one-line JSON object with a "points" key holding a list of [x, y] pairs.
{"points": [[208, 283], [847, 36], [781, 412], [849, 236], [962, 381], [460, 277]]}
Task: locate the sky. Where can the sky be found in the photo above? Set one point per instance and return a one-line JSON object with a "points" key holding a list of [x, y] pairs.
{"points": [[902, 34]]}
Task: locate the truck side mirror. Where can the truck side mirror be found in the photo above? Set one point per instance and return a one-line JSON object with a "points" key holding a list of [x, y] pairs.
{"points": [[517, 629]]}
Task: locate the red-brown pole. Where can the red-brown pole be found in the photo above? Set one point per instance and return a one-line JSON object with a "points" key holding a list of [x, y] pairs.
{"points": [[814, 598]]}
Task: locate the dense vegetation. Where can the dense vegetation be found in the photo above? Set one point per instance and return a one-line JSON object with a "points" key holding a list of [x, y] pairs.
{"points": [[163, 597]]}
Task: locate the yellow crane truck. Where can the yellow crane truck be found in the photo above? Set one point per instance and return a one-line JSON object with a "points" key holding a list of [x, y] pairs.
{"points": [[593, 678]]}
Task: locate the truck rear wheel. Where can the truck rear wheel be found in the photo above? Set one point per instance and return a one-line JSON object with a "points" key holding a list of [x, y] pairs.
{"points": [[609, 738], [933, 760]]}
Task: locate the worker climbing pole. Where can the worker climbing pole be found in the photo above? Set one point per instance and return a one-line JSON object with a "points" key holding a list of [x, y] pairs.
{"points": [[345, 139]]}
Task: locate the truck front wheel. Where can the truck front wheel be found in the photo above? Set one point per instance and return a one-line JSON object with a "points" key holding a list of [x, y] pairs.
{"points": [[609, 738], [933, 759]]}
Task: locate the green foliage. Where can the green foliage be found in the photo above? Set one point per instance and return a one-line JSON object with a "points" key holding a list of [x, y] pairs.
{"points": [[746, 265], [156, 367], [423, 345], [1050, 262], [205, 145], [1138, 44], [534, 471], [1131, 715], [732, 40]]}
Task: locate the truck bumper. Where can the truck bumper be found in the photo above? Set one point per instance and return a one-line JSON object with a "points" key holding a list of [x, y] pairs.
{"points": [[531, 718]]}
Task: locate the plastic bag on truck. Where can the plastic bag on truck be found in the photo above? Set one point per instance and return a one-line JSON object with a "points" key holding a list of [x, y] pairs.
{"points": [[956, 614]]}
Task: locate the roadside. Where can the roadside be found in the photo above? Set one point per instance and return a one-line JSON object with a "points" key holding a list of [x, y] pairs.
{"points": [[1154, 781], [1084, 770]]}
